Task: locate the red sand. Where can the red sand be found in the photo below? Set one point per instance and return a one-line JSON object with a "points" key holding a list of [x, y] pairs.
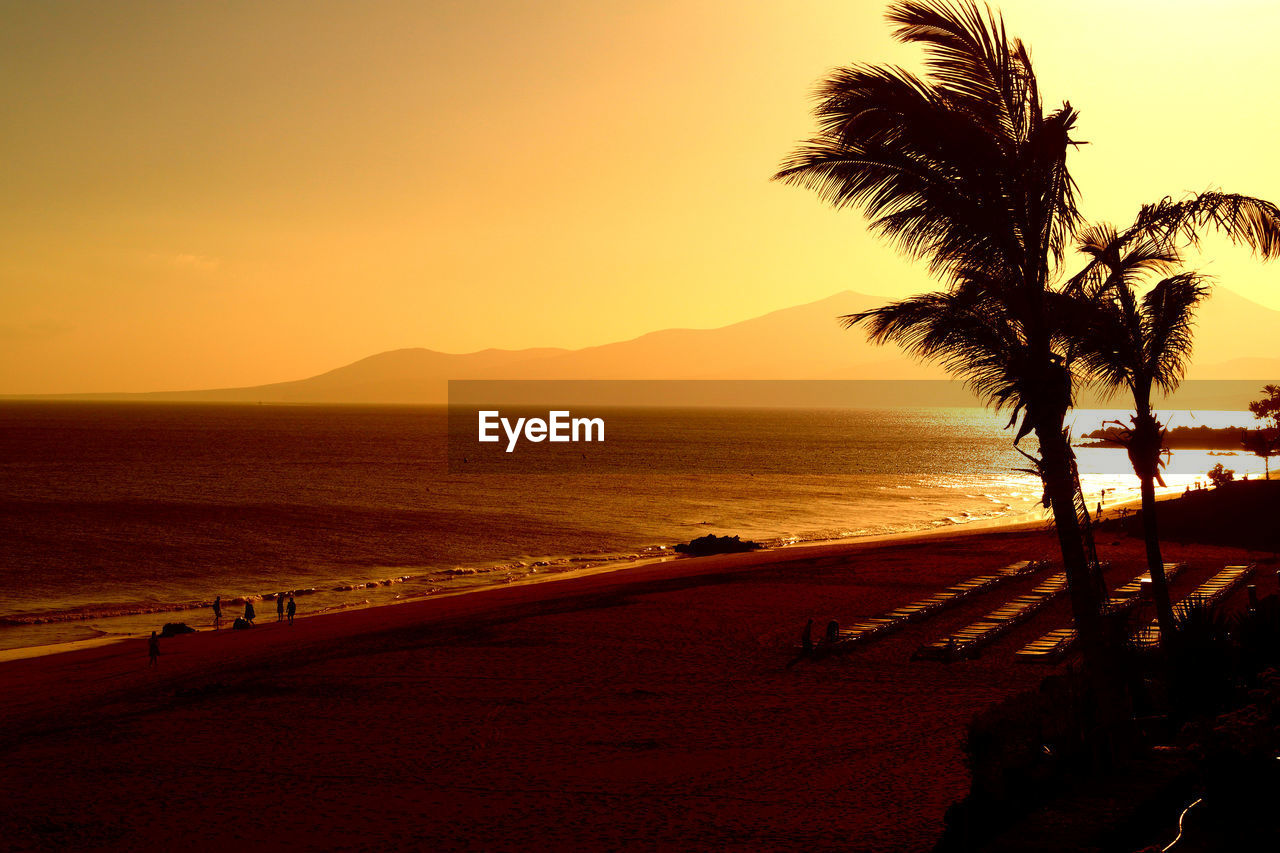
{"points": [[650, 708]]}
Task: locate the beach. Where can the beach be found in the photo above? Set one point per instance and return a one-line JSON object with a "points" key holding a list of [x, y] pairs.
{"points": [[651, 707]]}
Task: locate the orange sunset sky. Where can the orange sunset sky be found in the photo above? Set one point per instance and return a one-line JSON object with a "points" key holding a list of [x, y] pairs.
{"points": [[210, 194]]}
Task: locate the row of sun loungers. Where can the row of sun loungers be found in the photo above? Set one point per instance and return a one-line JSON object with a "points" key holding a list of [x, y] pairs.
{"points": [[1209, 593], [1054, 644], [966, 641], [878, 626]]}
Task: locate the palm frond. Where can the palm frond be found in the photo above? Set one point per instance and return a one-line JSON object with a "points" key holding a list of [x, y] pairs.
{"points": [[971, 57], [1245, 220], [1168, 321], [1047, 187], [972, 334], [961, 168], [1115, 262], [1100, 337], [922, 172]]}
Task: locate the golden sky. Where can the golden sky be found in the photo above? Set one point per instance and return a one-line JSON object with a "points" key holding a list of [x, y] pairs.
{"points": [[209, 194]]}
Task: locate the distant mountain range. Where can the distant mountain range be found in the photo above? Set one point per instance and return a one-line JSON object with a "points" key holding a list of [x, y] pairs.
{"points": [[1235, 339]]}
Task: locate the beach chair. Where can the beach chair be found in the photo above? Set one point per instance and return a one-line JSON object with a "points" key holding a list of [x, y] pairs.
{"points": [[1211, 592], [1022, 567], [1056, 643], [969, 639], [871, 628]]}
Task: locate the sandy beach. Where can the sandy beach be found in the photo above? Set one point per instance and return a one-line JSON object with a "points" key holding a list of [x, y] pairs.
{"points": [[646, 708]]}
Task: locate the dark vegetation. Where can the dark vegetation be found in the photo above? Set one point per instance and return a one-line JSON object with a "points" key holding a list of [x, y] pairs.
{"points": [[1265, 441], [1202, 720], [1242, 513], [1185, 438], [1220, 475], [1204, 724]]}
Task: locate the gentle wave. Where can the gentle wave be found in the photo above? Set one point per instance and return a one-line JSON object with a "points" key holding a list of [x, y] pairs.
{"points": [[485, 575]]}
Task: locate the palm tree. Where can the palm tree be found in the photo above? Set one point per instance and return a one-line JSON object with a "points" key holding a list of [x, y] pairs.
{"points": [[1265, 441], [1138, 344], [1263, 444], [966, 170]]}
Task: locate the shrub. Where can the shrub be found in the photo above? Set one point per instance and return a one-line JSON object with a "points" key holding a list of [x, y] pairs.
{"points": [[1220, 475], [1257, 635], [1201, 672]]}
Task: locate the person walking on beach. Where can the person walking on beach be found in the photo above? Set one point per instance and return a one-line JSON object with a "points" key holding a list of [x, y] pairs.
{"points": [[249, 615], [292, 609], [154, 648], [280, 607], [217, 612]]}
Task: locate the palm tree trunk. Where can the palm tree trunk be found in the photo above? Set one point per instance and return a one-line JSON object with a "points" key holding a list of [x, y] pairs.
{"points": [[1048, 411], [1155, 562], [1107, 702], [1145, 442], [1060, 485]]}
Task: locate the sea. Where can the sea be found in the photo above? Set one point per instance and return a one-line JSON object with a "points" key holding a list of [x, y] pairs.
{"points": [[116, 518]]}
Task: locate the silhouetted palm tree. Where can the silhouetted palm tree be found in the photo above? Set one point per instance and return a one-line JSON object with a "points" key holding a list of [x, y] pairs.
{"points": [[1265, 441], [966, 170], [1139, 344], [1262, 443]]}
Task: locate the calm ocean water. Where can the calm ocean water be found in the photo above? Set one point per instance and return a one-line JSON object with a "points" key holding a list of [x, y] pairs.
{"points": [[115, 518]]}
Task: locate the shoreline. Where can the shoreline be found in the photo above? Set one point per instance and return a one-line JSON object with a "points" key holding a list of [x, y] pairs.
{"points": [[214, 649], [1022, 521], [852, 543]]}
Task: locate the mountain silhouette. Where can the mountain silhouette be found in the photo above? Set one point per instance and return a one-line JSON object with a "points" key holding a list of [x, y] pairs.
{"points": [[1235, 339], [802, 342]]}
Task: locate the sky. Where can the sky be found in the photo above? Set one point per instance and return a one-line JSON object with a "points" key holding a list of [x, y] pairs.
{"points": [[225, 193]]}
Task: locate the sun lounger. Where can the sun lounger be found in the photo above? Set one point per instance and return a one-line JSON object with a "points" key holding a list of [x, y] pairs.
{"points": [[867, 629], [966, 641], [1209, 593], [1133, 587], [1059, 641], [1023, 567]]}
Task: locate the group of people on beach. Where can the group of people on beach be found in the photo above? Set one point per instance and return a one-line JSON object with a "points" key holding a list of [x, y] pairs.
{"points": [[286, 607]]}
